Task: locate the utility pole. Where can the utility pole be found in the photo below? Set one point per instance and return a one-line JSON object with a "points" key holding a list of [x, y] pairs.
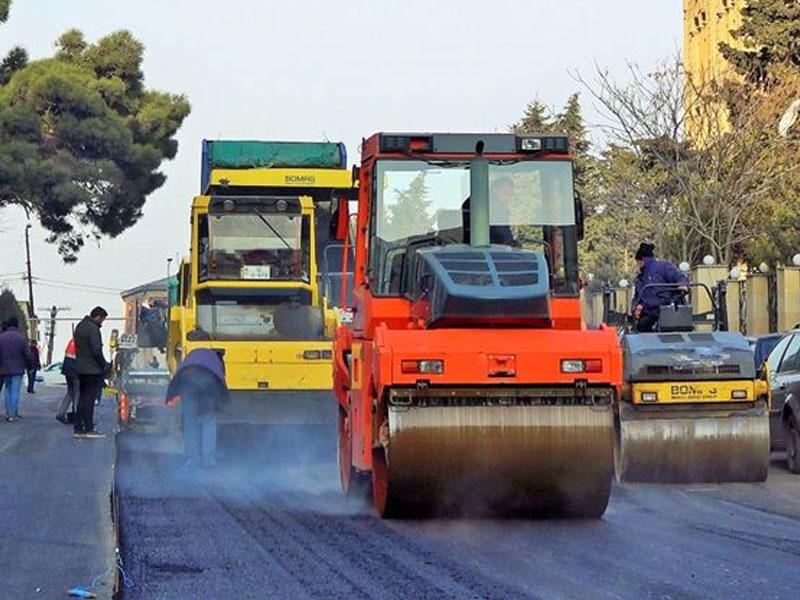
{"points": [[31, 311], [51, 333], [169, 262]]}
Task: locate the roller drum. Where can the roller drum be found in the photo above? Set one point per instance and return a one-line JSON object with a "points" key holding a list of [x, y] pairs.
{"points": [[513, 460], [685, 444]]}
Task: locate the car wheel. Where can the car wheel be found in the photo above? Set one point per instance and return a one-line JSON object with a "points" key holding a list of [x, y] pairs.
{"points": [[792, 444]]}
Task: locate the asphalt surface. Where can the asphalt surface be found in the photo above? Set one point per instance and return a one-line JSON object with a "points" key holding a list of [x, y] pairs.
{"points": [[253, 529], [56, 529]]}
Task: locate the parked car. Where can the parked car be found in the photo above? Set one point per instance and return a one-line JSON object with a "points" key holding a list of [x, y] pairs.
{"points": [[783, 364], [51, 375], [762, 346]]}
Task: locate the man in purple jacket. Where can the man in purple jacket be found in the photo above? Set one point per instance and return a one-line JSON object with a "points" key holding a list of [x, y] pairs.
{"points": [[647, 301], [14, 358], [199, 385]]}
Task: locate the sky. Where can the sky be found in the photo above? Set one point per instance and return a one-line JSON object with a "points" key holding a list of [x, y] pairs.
{"points": [[317, 70]]}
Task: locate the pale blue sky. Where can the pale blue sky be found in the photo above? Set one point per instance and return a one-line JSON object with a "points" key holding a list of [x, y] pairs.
{"points": [[313, 69]]}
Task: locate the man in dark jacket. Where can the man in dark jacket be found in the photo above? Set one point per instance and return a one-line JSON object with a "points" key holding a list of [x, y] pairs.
{"points": [[199, 386], [501, 195], [647, 301], [14, 358], [91, 368], [33, 366]]}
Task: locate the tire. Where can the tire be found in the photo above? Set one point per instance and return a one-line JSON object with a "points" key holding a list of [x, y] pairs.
{"points": [[354, 483], [381, 499], [792, 438]]}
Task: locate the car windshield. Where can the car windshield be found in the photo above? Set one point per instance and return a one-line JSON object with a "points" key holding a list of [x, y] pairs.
{"points": [[253, 246], [531, 205]]}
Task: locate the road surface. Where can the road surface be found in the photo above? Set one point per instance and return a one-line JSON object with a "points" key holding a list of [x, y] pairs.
{"points": [[250, 529]]}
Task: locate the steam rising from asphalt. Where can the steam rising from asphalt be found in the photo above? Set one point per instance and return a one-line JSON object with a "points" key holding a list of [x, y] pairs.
{"points": [[256, 463]]}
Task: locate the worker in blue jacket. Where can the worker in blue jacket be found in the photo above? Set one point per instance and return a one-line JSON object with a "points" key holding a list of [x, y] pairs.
{"points": [[648, 300], [200, 388]]}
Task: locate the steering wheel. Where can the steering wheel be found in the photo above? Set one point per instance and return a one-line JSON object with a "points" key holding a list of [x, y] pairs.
{"points": [[670, 295]]}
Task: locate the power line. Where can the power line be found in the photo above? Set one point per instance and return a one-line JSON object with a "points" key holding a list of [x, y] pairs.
{"points": [[72, 284], [77, 288]]}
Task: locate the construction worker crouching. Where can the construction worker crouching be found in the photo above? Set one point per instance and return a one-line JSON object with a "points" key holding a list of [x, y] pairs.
{"points": [[647, 301], [199, 385]]}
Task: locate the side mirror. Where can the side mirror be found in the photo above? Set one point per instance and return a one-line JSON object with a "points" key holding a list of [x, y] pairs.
{"points": [[578, 217], [339, 219]]}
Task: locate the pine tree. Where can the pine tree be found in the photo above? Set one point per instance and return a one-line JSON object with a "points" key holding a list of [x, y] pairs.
{"points": [[9, 307], [5, 6], [82, 139], [570, 122], [409, 215], [537, 118]]}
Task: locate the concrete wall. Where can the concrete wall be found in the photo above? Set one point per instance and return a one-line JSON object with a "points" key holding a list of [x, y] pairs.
{"points": [[757, 304], [788, 289], [701, 301]]}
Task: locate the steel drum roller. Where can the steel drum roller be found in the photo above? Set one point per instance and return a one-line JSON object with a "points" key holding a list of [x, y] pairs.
{"points": [[532, 460], [693, 444]]}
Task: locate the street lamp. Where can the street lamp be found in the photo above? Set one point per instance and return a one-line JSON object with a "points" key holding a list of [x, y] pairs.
{"points": [[684, 267]]}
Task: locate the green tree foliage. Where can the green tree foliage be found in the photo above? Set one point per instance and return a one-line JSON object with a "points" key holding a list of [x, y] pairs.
{"points": [[15, 60], [536, 119], [767, 58], [410, 214], [730, 189], [82, 139], [9, 307], [605, 246], [17, 57], [768, 36]]}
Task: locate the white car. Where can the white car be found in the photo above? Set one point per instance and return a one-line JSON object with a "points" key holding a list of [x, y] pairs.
{"points": [[51, 375]]}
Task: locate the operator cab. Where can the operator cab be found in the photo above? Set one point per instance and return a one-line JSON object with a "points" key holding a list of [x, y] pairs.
{"points": [[425, 186], [676, 313]]}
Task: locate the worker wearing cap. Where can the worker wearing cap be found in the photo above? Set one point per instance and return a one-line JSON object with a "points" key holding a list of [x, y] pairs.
{"points": [[646, 300]]}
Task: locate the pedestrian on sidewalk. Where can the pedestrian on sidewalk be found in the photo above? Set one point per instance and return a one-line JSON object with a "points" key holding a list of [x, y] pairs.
{"points": [[70, 375], [14, 356], [91, 368], [34, 365], [199, 385], [3, 327]]}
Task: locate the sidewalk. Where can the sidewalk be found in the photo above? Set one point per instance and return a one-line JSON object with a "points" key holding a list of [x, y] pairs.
{"points": [[56, 529]]}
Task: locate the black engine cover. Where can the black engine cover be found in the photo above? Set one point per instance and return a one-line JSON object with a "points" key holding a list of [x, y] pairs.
{"points": [[462, 286]]}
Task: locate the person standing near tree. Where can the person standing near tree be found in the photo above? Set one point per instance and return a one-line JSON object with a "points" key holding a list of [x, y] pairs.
{"points": [[33, 366], [14, 357], [91, 368]]}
